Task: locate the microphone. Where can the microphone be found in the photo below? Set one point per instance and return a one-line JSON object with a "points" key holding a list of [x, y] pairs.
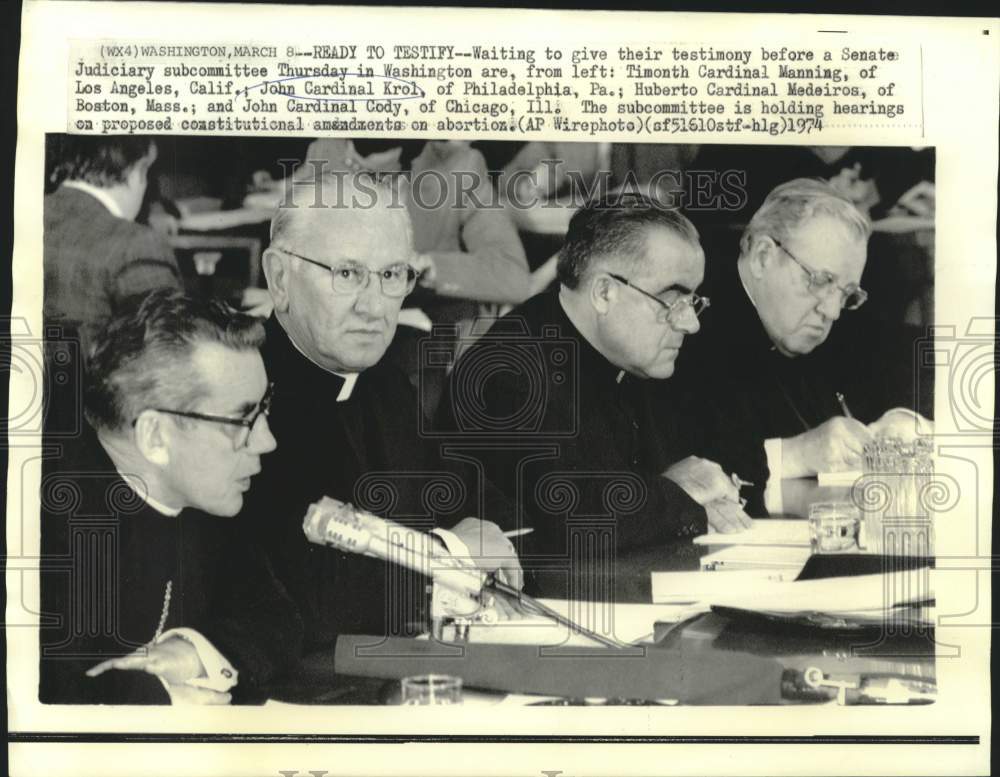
{"points": [[342, 526]]}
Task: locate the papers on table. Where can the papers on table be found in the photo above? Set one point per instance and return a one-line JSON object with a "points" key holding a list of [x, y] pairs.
{"points": [[757, 557], [854, 599], [691, 587], [846, 478], [770, 531], [832, 595]]}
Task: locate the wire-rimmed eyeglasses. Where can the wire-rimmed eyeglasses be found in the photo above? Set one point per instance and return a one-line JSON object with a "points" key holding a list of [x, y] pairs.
{"points": [[670, 311], [396, 280], [822, 282]]}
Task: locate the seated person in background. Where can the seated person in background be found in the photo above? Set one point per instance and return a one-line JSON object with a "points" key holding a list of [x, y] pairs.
{"points": [[94, 253], [555, 168], [347, 420], [140, 574], [763, 366], [561, 394]]}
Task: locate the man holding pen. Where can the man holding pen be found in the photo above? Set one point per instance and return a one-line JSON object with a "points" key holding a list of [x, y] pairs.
{"points": [[767, 367]]}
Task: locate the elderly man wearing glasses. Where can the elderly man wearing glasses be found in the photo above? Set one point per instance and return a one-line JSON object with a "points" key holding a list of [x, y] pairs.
{"points": [[766, 368], [562, 395], [146, 595], [338, 268]]}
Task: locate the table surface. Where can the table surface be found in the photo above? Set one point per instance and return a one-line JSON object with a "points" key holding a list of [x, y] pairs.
{"points": [[315, 681]]}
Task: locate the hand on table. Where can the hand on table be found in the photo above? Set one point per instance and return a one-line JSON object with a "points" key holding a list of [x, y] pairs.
{"points": [[725, 516], [492, 552], [703, 480], [902, 423], [835, 445]]}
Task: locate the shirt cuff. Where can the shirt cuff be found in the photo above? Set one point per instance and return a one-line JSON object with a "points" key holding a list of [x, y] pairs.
{"points": [[219, 673], [772, 493]]}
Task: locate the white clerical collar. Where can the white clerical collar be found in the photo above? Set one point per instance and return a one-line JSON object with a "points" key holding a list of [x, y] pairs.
{"points": [[350, 378], [143, 494], [99, 194]]}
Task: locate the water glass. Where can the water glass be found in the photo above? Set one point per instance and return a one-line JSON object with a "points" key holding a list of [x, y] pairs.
{"points": [[431, 689]]}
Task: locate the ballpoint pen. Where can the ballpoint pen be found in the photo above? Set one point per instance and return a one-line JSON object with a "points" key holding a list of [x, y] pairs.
{"points": [[843, 405]]}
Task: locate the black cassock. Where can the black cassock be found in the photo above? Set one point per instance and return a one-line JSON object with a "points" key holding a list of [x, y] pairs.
{"points": [[738, 390], [107, 558], [578, 444], [369, 450]]}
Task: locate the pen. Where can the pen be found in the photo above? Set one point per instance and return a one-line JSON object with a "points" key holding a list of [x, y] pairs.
{"points": [[843, 405], [518, 532]]}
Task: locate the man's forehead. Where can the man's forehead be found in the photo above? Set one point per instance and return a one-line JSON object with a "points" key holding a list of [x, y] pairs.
{"points": [[351, 233], [826, 243], [229, 374]]}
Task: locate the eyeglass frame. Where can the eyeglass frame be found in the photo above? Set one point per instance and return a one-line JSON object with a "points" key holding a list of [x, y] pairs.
{"points": [[688, 299], [263, 409], [847, 291], [411, 275]]}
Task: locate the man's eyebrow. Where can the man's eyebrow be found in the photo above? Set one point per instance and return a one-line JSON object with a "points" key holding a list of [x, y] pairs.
{"points": [[246, 408], [675, 287]]}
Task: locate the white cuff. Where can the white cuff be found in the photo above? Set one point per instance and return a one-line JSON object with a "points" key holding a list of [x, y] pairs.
{"points": [[772, 493], [219, 673]]}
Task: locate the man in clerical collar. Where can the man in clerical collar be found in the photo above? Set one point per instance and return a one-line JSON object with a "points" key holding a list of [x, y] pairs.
{"points": [[563, 388], [95, 254], [338, 268], [176, 401], [766, 366]]}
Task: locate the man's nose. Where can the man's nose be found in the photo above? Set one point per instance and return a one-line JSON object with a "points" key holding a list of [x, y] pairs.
{"points": [[688, 321], [370, 300], [830, 305], [261, 439]]}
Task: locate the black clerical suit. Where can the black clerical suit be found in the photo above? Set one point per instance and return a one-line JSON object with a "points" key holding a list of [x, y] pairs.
{"points": [[572, 438], [738, 390], [107, 557], [366, 449]]}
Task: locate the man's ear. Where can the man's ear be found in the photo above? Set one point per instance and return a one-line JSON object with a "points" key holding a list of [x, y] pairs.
{"points": [[276, 271], [152, 437], [603, 291], [760, 256]]}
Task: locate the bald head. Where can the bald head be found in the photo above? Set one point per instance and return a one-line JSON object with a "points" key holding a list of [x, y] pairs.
{"points": [[359, 227]]}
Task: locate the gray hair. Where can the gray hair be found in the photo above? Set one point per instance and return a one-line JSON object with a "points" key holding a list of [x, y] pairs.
{"points": [[793, 203], [309, 203]]}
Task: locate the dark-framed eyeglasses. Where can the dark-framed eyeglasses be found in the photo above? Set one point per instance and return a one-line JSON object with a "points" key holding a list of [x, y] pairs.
{"points": [[396, 280], [670, 311], [821, 282], [246, 424]]}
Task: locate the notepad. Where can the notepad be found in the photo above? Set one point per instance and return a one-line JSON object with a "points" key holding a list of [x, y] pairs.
{"points": [[767, 531], [757, 557]]}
